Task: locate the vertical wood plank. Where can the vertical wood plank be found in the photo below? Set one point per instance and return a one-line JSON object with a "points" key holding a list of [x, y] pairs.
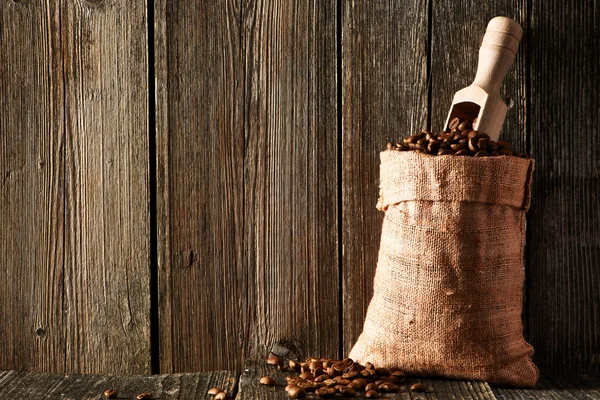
{"points": [[31, 187], [107, 291], [564, 224], [290, 177], [457, 29], [384, 91], [203, 286]]}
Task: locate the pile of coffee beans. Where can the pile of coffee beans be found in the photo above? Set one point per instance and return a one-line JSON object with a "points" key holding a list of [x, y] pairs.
{"points": [[327, 377], [460, 140]]}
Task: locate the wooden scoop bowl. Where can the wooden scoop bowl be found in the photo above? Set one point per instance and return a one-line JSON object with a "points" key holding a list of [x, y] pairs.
{"points": [[482, 99]]}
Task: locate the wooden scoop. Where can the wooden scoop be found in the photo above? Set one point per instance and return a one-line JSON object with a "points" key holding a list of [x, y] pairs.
{"points": [[482, 99]]}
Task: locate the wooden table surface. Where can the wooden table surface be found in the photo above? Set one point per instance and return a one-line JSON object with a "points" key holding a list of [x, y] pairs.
{"points": [[24, 386]]}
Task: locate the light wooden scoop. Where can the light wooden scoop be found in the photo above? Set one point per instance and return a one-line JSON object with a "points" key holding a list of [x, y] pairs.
{"points": [[482, 99]]}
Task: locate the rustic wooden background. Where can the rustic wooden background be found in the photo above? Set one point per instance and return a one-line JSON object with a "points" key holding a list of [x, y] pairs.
{"points": [[187, 184]]}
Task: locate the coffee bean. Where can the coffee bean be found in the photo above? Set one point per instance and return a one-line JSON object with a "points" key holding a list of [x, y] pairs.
{"points": [[389, 387], [267, 380], [492, 146], [347, 392], [481, 153], [400, 375], [315, 364], [465, 125], [351, 375], [221, 396], [143, 396], [294, 366], [475, 121], [325, 392], [390, 145], [275, 360], [372, 394], [329, 382], [308, 386], [296, 392], [111, 394], [503, 145], [494, 153], [484, 135], [307, 376], [473, 144], [472, 134], [358, 384], [418, 387], [214, 391], [505, 152], [482, 143], [454, 123], [458, 146], [463, 152]]}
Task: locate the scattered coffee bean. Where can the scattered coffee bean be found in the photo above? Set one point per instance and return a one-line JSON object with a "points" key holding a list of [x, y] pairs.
{"points": [[371, 386], [461, 140], [307, 376], [221, 396], [418, 387], [325, 392], [143, 396], [110, 394], [347, 392], [293, 365], [275, 360], [267, 380], [296, 392], [372, 394], [389, 387], [214, 391]]}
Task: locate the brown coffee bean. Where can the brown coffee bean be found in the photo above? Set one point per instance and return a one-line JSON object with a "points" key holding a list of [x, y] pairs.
{"points": [[393, 379], [347, 392], [321, 378], [214, 391], [351, 375], [482, 143], [484, 135], [382, 371], [454, 123], [400, 375], [367, 373], [475, 121], [291, 379], [463, 152], [296, 392], [331, 372], [418, 387], [389, 387], [444, 152], [143, 396], [221, 396], [505, 152], [465, 125], [494, 153], [294, 365], [369, 365], [329, 363], [481, 153], [111, 394], [473, 134], [503, 145], [304, 367], [325, 392], [307, 376], [329, 382], [275, 360], [458, 146], [372, 394], [492, 146], [358, 384], [473, 144], [267, 380], [371, 386]]}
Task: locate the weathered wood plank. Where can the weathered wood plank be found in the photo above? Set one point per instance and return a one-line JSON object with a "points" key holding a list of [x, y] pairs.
{"points": [[200, 147], [290, 178], [31, 187], [25, 386], [564, 226], [247, 175], [249, 388], [582, 387], [457, 29], [106, 265], [384, 94]]}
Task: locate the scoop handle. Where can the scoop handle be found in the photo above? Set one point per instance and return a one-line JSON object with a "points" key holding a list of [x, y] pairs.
{"points": [[497, 53]]}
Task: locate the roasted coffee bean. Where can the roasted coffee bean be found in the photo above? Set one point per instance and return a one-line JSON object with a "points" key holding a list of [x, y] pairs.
{"points": [[418, 387], [481, 153], [296, 392], [465, 125], [214, 391], [332, 372], [492, 146], [494, 153], [307, 376], [482, 143], [321, 378], [393, 379], [221, 396], [484, 135], [358, 384], [111, 394], [367, 373], [329, 382], [389, 145], [351, 375], [315, 364], [454, 123], [444, 152], [347, 392], [143, 396], [267, 380], [325, 392], [458, 146], [327, 364], [389, 387], [275, 360], [505, 152], [372, 394], [294, 366], [400, 375], [308, 386], [463, 152], [371, 386], [472, 134], [475, 121], [473, 144], [503, 145]]}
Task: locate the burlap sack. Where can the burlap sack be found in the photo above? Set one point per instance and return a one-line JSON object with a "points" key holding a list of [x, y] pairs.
{"points": [[448, 286]]}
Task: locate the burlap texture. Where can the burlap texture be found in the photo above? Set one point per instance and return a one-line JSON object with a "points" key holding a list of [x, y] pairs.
{"points": [[448, 288]]}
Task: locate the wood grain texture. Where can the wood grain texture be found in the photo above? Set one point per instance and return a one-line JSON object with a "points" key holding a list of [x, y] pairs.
{"points": [[564, 221], [249, 388], [574, 387], [457, 29], [384, 97], [290, 178], [203, 286], [32, 386], [75, 187], [32, 187], [107, 288], [247, 174]]}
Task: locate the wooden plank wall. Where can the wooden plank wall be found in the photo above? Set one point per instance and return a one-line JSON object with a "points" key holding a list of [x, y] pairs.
{"points": [[74, 242], [262, 145]]}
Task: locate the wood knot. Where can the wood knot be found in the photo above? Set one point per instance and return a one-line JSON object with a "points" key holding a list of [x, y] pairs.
{"points": [[40, 332]]}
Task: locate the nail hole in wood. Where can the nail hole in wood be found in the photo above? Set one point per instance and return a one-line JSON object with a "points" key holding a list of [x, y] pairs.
{"points": [[40, 332]]}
